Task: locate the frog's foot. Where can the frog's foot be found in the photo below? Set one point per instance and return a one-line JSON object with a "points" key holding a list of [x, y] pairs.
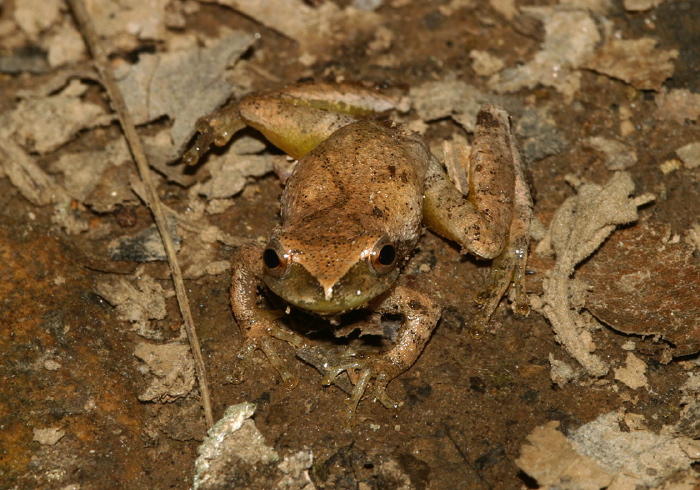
{"points": [[361, 372], [217, 129], [507, 268], [262, 339]]}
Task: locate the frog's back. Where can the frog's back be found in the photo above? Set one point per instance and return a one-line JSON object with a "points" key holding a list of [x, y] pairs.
{"points": [[369, 170]]}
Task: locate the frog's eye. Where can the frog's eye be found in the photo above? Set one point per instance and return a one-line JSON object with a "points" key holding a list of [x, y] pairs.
{"points": [[275, 259], [383, 257]]}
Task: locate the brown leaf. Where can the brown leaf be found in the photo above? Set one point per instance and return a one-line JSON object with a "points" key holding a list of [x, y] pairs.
{"points": [[678, 105], [643, 284], [635, 61]]}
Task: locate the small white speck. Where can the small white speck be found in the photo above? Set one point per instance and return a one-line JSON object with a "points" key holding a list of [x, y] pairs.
{"points": [[51, 365]]}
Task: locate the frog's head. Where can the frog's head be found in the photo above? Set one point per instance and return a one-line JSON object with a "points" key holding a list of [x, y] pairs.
{"points": [[331, 272]]}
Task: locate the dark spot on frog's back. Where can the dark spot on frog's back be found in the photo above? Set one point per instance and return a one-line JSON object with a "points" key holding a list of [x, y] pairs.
{"points": [[392, 171], [404, 177], [378, 213], [415, 305], [486, 119]]}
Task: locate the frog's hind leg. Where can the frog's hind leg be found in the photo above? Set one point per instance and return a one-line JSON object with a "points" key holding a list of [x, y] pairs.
{"points": [[509, 267], [216, 128], [490, 218], [296, 118]]}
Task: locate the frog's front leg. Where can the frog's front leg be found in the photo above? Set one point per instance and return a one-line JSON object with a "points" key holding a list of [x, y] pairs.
{"points": [[492, 221], [420, 317], [258, 326]]}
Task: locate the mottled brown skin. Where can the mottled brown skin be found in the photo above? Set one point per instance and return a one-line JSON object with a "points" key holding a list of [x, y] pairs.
{"points": [[352, 213], [338, 205]]}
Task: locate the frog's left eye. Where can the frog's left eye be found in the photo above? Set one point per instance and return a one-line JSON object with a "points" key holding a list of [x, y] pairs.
{"points": [[275, 259], [383, 257]]}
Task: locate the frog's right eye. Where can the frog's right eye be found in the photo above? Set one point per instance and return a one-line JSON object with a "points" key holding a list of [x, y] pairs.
{"points": [[275, 259], [383, 257]]}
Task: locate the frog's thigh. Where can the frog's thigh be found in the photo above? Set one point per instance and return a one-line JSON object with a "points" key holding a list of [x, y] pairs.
{"points": [[421, 315], [298, 118], [479, 222], [295, 129]]}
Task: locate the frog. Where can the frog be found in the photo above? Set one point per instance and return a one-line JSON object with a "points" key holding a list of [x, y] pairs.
{"points": [[352, 212]]}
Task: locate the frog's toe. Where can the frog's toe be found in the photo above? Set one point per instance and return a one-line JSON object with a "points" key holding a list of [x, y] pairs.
{"points": [[290, 381], [378, 373], [507, 269], [290, 337], [380, 383], [243, 359], [380, 377], [263, 343], [486, 303], [335, 371], [357, 392]]}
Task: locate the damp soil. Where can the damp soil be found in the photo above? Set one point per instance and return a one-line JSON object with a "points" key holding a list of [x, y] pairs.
{"points": [[468, 404]]}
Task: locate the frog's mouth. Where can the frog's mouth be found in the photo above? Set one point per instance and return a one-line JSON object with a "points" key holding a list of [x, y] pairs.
{"points": [[358, 286]]}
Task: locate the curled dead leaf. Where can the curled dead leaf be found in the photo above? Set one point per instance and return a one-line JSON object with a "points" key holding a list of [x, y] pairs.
{"points": [[646, 284]]}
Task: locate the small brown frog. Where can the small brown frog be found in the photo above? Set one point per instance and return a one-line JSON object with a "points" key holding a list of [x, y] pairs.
{"points": [[352, 212]]}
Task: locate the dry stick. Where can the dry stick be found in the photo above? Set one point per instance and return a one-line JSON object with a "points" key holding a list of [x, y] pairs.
{"points": [[127, 123]]}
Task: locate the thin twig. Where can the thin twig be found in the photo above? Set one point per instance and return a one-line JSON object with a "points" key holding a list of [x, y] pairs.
{"points": [[127, 123]]}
